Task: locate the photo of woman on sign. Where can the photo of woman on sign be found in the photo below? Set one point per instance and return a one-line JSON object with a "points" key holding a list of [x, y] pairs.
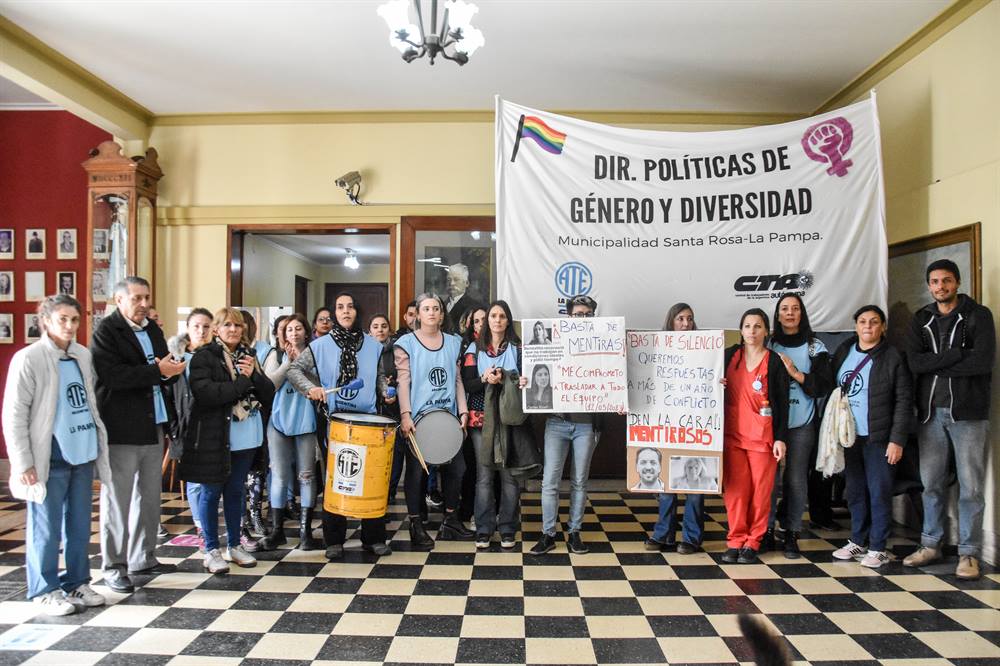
{"points": [[539, 392], [691, 473], [539, 336]]}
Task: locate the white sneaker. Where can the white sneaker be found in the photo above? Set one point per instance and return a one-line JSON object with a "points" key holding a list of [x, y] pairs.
{"points": [[240, 557], [53, 603], [850, 551], [85, 597], [875, 558], [214, 563]]}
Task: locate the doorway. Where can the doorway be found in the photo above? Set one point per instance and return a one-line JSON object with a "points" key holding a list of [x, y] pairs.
{"points": [[371, 298]]}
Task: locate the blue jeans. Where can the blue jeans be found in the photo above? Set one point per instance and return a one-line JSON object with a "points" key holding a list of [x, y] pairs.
{"points": [[193, 493], [795, 486], [68, 500], [232, 493], [869, 479], [486, 506], [287, 454], [665, 529], [939, 437], [560, 436]]}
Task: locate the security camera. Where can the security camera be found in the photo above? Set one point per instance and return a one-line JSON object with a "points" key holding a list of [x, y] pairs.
{"points": [[349, 180]]}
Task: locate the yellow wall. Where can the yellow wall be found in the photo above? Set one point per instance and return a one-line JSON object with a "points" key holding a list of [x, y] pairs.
{"points": [[941, 151]]}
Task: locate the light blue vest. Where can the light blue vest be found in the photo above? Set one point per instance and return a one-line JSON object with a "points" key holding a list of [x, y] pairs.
{"points": [[506, 361], [246, 434], [857, 394], [801, 408], [326, 354], [292, 413], [432, 373], [261, 350], [159, 407], [74, 428]]}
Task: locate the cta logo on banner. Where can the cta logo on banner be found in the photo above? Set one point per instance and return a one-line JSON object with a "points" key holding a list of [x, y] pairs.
{"points": [[674, 430], [642, 219]]}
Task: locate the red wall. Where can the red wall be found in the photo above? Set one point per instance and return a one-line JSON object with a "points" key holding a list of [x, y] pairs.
{"points": [[42, 185]]}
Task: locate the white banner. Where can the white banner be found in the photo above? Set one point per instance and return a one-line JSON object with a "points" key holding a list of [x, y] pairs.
{"points": [[725, 221], [674, 431], [574, 365]]}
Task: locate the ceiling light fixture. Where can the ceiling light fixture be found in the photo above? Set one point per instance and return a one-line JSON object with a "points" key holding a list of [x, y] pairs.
{"points": [[454, 30], [351, 260]]}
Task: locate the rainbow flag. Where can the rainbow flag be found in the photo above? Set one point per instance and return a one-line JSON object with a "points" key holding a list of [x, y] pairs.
{"points": [[532, 127]]}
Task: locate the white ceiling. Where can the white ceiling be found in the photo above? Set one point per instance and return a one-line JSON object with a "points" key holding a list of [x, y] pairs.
{"points": [[327, 249], [215, 56]]}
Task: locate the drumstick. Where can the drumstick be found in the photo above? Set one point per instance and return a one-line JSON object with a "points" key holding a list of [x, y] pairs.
{"points": [[353, 385], [416, 450]]}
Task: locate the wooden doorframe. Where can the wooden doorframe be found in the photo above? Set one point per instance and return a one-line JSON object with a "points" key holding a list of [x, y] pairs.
{"points": [[235, 245], [409, 226]]}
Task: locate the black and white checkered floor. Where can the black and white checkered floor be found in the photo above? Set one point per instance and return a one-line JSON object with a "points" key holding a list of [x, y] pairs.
{"points": [[618, 604]]}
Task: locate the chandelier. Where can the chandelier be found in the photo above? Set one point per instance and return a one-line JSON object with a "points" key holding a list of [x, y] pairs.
{"points": [[454, 32]]}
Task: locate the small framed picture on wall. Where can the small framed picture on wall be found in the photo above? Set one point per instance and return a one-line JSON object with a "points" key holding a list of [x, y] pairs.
{"points": [[100, 250], [32, 328], [34, 285], [34, 241], [6, 329], [66, 283], [6, 286], [99, 287], [67, 244], [6, 243]]}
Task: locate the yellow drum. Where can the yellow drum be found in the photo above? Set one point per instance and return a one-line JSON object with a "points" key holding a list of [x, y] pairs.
{"points": [[359, 464]]}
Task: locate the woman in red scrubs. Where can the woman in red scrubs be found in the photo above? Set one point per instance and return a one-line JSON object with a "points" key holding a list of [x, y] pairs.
{"points": [[755, 433]]}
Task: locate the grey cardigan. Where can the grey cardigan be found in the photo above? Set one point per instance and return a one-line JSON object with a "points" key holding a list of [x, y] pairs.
{"points": [[29, 410]]}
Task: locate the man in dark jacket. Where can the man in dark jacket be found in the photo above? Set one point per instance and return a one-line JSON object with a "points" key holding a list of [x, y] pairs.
{"points": [[950, 348], [133, 368]]}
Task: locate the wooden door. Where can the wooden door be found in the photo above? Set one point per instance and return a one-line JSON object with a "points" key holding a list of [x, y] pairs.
{"points": [[371, 297], [302, 295]]}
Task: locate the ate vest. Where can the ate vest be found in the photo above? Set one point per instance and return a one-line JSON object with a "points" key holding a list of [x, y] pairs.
{"points": [[433, 373], [292, 413], [74, 428], [326, 353], [801, 408], [506, 361], [159, 407]]}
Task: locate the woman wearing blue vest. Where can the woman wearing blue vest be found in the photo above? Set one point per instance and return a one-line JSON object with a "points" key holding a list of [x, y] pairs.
{"points": [[291, 434], [226, 428], [56, 441], [807, 363], [680, 317], [417, 354], [496, 349], [344, 354]]}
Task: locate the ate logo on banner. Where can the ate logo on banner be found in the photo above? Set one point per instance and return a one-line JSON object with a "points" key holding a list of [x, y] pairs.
{"points": [[829, 141], [572, 279]]}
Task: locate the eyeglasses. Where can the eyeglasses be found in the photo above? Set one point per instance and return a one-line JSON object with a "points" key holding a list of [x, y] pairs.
{"points": [[324, 320], [582, 314]]}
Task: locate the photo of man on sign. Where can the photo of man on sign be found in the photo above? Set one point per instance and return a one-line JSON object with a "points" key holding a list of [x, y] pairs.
{"points": [[647, 466]]}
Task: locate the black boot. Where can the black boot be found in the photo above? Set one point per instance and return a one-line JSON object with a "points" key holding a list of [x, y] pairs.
{"points": [[419, 539], [254, 518], [792, 545], [452, 529], [276, 536], [306, 541], [767, 543]]}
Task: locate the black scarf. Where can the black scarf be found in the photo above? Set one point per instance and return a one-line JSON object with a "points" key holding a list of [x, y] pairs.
{"points": [[350, 342], [789, 340]]}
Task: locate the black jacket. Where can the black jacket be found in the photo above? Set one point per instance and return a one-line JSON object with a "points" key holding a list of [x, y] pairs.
{"points": [[206, 438], [777, 391], [125, 381], [967, 365], [890, 392]]}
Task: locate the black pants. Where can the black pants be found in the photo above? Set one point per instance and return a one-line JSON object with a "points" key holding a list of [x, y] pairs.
{"points": [[335, 530], [416, 481], [468, 503], [820, 493]]}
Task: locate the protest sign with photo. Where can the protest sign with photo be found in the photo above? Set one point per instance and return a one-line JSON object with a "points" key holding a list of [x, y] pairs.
{"points": [[674, 429], [575, 365]]}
